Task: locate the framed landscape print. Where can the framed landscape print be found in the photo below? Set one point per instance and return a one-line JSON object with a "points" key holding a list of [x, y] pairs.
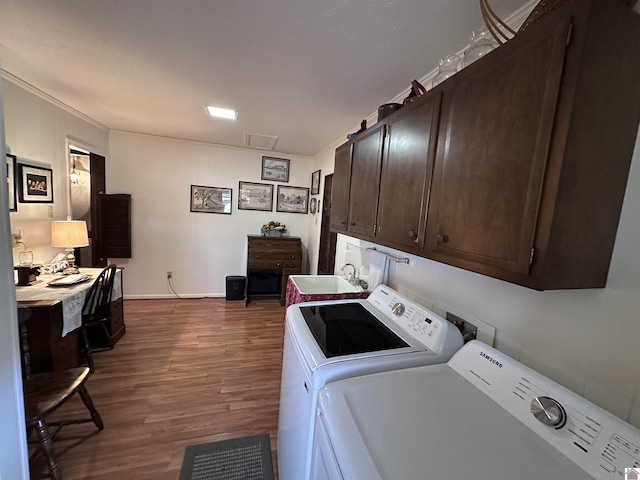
{"points": [[315, 182], [255, 196], [211, 199], [275, 169], [11, 182], [35, 184], [292, 199]]}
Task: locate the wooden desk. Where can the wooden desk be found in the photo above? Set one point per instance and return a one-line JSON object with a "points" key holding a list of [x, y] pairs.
{"points": [[270, 261], [56, 314]]}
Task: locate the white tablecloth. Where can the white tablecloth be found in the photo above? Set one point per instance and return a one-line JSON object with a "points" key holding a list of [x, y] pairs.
{"points": [[72, 297]]}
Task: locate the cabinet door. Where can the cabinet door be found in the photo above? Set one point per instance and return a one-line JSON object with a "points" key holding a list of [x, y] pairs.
{"points": [[365, 181], [340, 189], [406, 174], [496, 124]]}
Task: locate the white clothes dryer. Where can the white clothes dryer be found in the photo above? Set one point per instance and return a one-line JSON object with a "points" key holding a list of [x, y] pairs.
{"points": [[482, 415]]}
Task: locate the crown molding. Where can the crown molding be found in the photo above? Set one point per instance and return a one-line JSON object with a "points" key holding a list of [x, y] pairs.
{"points": [[45, 96]]}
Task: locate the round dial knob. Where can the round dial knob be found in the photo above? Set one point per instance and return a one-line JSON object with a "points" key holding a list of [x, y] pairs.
{"points": [[398, 309], [549, 412]]}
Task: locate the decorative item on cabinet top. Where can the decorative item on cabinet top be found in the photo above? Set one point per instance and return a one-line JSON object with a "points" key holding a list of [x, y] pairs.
{"points": [[363, 127], [273, 229]]}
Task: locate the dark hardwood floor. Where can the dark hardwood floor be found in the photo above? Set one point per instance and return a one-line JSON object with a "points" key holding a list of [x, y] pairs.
{"points": [[186, 372]]}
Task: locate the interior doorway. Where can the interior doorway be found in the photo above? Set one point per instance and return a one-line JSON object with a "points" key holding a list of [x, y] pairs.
{"points": [[87, 180], [108, 217], [328, 239]]}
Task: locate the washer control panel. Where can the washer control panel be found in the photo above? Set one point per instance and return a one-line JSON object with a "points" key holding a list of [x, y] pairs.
{"points": [[419, 322], [597, 441]]}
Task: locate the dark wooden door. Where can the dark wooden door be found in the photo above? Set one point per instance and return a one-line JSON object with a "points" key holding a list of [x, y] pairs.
{"points": [[366, 162], [495, 130], [406, 174], [340, 188], [328, 239], [98, 187]]}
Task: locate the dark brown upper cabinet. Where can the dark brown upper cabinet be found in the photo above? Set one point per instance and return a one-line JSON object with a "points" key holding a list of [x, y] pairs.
{"points": [[497, 122], [340, 190], [406, 175], [366, 161], [534, 151], [534, 144]]}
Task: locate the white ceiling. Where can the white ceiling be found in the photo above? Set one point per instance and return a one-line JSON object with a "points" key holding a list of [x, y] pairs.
{"points": [[302, 70]]}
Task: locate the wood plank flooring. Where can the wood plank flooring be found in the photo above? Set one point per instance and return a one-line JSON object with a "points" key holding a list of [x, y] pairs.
{"points": [[186, 372]]}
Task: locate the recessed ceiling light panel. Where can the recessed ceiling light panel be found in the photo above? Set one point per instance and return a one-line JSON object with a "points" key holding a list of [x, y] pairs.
{"points": [[222, 112]]}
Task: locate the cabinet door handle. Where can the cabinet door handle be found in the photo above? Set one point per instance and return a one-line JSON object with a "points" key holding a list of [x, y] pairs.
{"points": [[353, 224], [413, 234], [442, 238]]}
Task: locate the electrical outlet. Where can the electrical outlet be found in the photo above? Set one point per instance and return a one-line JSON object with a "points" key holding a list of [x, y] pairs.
{"points": [[169, 275]]}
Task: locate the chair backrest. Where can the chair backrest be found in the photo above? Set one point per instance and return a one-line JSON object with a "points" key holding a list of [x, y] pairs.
{"points": [[96, 303]]}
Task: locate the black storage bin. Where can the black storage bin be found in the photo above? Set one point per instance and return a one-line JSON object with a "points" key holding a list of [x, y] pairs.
{"points": [[235, 288]]}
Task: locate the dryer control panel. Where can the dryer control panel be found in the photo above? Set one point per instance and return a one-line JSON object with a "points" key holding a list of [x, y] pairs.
{"points": [[595, 440]]}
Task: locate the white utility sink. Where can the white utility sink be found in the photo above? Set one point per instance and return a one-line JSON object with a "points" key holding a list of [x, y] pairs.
{"points": [[311, 288], [322, 284]]}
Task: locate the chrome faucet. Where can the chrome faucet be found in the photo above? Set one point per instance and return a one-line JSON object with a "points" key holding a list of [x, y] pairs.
{"points": [[353, 279]]}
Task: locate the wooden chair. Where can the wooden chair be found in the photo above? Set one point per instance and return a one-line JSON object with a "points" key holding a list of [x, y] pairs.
{"points": [[44, 393], [95, 312]]}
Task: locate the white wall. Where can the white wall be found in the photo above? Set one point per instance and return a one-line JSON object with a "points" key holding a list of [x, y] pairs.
{"points": [[324, 161], [587, 340], [37, 132], [201, 249], [13, 454]]}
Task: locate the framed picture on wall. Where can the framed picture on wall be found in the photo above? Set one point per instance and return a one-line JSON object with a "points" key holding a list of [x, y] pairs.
{"points": [[275, 169], [35, 184], [255, 196], [211, 199], [292, 199], [11, 182], [315, 182]]}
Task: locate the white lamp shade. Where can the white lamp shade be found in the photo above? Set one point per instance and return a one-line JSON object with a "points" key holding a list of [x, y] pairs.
{"points": [[69, 233]]}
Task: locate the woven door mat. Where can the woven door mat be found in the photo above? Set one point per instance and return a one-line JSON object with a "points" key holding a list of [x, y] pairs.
{"points": [[245, 458]]}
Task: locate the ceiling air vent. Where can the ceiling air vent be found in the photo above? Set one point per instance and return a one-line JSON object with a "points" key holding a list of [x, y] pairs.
{"points": [[262, 142]]}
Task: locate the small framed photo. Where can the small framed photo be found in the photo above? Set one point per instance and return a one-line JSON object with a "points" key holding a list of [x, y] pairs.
{"points": [[255, 196], [35, 184], [211, 199], [315, 182], [275, 169], [11, 182], [292, 199]]}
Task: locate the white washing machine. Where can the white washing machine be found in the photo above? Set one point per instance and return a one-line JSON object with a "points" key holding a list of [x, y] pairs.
{"points": [[333, 340], [482, 416]]}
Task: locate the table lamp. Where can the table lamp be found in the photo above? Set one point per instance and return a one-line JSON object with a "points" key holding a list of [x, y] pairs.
{"points": [[69, 234]]}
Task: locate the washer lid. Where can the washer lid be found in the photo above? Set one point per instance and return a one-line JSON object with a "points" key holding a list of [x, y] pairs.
{"points": [[348, 328], [429, 422]]}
